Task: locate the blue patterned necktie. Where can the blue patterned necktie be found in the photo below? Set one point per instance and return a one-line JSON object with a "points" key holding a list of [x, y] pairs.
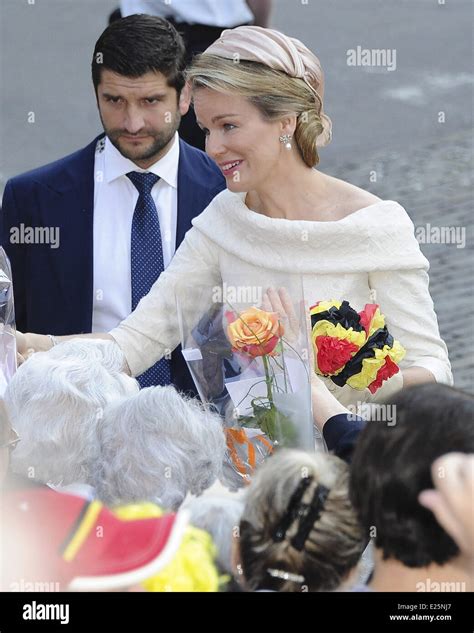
{"points": [[147, 261]]}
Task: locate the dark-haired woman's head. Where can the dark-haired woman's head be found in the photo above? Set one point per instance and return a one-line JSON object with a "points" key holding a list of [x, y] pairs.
{"points": [[391, 466]]}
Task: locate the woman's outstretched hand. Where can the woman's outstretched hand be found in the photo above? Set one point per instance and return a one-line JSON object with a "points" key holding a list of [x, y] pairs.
{"points": [[21, 347], [28, 343], [279, 301]]}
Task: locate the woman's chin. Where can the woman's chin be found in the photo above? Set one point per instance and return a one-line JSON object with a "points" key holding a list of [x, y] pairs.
{"points": [[236, 186]]}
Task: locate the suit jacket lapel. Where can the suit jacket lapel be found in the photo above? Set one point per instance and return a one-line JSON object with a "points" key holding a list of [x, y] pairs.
{"points": [[193, 196]]}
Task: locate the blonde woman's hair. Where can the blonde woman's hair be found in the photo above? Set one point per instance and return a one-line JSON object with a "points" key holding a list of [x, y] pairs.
{"points": [[333, 542], [274, 93]]}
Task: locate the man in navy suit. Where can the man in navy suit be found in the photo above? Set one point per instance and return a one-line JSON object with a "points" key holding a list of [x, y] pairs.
{"points": [[88, 234]]}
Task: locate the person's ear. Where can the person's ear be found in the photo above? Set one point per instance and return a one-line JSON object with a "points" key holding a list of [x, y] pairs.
{"points": [[184, 99], [288, 125]]}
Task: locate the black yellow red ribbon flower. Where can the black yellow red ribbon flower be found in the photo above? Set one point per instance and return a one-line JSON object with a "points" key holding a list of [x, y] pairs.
{"points": [[353, 348]]}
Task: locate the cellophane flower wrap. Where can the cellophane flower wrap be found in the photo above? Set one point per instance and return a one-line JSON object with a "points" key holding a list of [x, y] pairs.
{"points": [[7, 324], [353, 348], [253, 366]]}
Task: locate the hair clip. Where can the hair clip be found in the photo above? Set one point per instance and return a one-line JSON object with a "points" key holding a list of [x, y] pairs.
{"points": [[292, 510], [313, 511]]}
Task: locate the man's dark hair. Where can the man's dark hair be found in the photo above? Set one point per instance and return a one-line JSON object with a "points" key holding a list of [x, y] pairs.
{"points": [[139, 44], [392, 465]]}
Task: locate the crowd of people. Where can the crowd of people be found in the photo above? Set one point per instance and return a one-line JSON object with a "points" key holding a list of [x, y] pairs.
{"points": [[113, 471], [91, 449]]}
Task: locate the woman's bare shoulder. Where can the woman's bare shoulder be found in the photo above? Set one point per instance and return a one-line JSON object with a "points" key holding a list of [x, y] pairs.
{"points": [[349, 198]]}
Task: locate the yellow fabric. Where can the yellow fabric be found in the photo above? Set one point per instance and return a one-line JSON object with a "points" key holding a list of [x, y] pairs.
{"points": [[370, 366], [83, 530], [325, 305], [192, 569], [138, 511], [326, 328]]}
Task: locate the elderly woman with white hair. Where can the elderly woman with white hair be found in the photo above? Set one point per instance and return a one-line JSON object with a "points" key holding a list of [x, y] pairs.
{"points": [[158, 446], [56, 400]]}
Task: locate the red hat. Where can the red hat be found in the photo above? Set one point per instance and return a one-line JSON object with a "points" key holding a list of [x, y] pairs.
{"points": [[51, 537]]}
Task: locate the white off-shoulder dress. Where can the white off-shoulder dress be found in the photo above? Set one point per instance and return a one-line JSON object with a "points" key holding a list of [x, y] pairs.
{"points": [[371, 254]]}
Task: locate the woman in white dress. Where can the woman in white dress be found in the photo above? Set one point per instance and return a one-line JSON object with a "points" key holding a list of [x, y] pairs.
{"points": [[258, 95]]}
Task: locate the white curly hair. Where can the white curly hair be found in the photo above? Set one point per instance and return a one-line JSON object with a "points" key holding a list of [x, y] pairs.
{"points": [[157, 446], [56, 400]]}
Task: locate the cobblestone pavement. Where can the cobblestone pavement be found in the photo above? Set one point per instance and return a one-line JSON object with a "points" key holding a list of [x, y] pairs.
{"points": [[434, 184]]}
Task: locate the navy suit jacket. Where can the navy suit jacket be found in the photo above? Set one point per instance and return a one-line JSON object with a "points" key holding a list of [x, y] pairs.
{"points": [[53, 287]]}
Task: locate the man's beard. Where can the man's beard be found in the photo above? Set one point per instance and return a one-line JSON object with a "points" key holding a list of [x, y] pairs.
{"points": [[158, 141]]}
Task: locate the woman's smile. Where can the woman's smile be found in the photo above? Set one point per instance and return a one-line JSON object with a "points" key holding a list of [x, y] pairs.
{"points": [[230, 167]]}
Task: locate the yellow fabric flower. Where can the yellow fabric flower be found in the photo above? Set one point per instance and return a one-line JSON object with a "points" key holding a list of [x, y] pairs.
{"points": [[396, 352], [192, 568], [370, 366], [325, 305]]}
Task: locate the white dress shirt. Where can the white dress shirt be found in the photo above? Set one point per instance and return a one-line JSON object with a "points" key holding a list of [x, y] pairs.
{"points": [[225, 13], [115, 198]]}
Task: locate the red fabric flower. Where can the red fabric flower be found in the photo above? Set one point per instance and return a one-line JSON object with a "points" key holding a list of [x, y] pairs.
{"points": [[366, 316], [333, 353], [384, 373]]}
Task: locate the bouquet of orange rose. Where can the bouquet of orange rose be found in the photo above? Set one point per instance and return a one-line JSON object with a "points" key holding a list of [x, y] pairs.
{"points": [[253, 366], [259, 334]]}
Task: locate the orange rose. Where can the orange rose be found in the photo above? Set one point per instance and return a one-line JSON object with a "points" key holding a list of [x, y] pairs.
{"points": [[255, 332]]}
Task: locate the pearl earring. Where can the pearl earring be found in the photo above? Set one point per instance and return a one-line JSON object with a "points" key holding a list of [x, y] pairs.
{"points": [[286, 138]]}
